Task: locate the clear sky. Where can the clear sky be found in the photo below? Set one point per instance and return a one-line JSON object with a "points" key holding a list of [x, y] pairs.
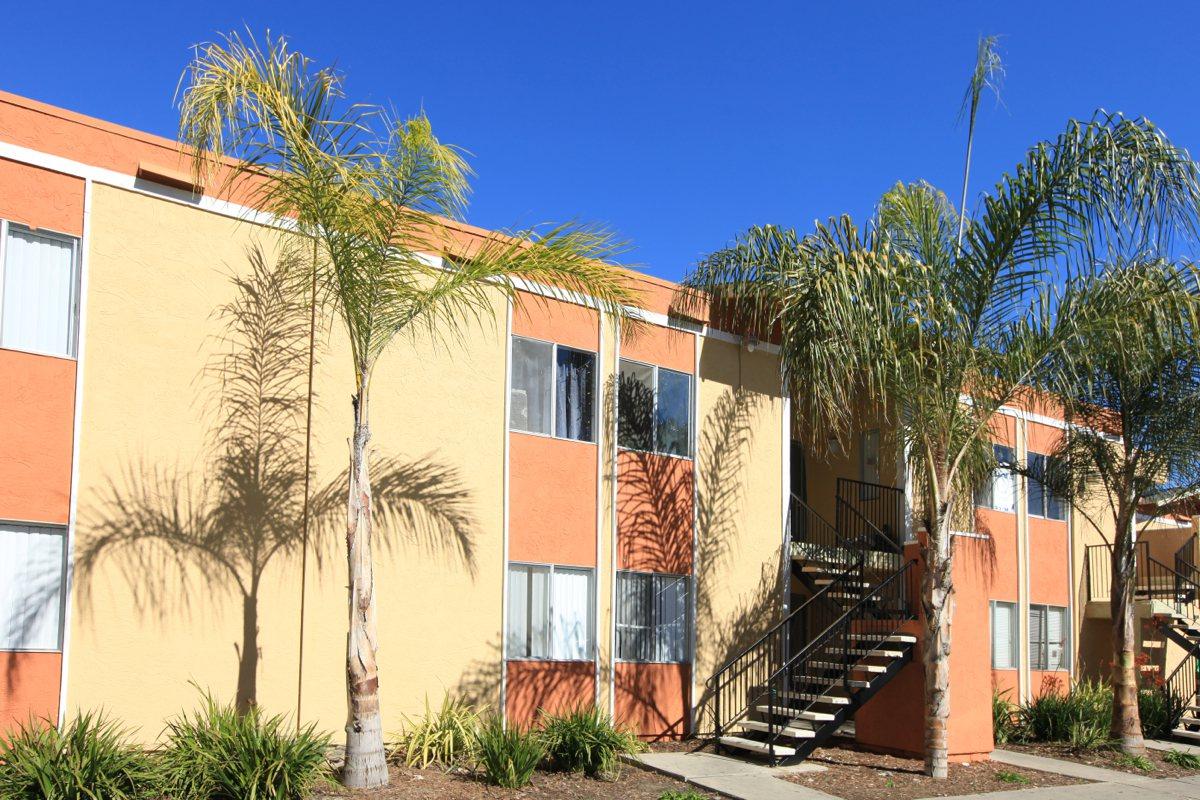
{"points": [[678, 124]]}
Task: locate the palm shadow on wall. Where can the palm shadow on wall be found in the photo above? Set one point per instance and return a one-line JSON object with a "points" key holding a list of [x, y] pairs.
{"points": [[167, 529]]}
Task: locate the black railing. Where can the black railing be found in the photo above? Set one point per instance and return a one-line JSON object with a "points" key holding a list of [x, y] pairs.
{"points": [[1182, 682], [743, 681], [882, 508], [1185, 559], [822, 669], [815, 539], [1153, 580]]}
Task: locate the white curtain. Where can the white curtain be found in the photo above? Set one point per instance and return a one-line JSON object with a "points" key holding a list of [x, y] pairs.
{"points": [[529, 404], [39, 293], [528, 607], [574, 407], [570, 608], [1004, 642], [31, 582]]}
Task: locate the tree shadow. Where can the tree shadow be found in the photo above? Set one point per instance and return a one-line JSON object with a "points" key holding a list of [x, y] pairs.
{"points": [[166, 529]]}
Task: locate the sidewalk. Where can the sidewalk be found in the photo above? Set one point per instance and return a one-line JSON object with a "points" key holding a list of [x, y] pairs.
{"points": [[743, 780]]}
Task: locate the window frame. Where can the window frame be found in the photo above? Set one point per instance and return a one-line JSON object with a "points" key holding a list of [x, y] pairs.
{"points": [[688, 623], [1065, 659], [1046, 494], [691, 411], [1014, 633], [554, 348], [590, 644], [62, 531], [72, 353]]}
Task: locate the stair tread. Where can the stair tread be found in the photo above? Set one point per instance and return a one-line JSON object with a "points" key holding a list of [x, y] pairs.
{"points": [[828, 699], [797, 714], [831, 683], [862, 651], [786, 730], [852, 667], [1193, 735], [756, 746], [880, 637]]}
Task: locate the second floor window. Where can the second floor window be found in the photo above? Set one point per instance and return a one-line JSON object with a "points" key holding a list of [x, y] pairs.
{"points": [[654, 409], [1042, 501], [553, 390], [999, 492], [39, 288]]}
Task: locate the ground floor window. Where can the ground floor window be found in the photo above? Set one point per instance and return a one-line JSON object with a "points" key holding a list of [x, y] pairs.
{"points": [[1049, 638], [653, 613], [550, 612], [32, 565], [1004, 635]]}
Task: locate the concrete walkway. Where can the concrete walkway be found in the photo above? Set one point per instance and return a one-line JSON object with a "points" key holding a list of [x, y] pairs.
{"points": [[743, 780], [732, 777]]}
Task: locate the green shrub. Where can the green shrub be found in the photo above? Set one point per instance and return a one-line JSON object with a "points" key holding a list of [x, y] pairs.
{"points": [[1081, 717], [1182, 759], [447, 737], [219, 753], [89, 758], [508, 757], [585, 740], [1160, 710], [688, 795], [1006, 724], [1005, 776], [1137, 762]]}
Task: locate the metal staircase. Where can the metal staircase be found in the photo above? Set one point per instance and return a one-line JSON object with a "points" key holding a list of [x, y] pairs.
{"points": [[793, 688]]}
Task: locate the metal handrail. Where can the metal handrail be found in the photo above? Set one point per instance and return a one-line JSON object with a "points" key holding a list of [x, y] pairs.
{"points": [[837, 540], [884, 509]]}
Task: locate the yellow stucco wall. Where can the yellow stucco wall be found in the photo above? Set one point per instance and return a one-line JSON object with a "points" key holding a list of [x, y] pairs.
{"points": [[741, 430], [158, 271]]}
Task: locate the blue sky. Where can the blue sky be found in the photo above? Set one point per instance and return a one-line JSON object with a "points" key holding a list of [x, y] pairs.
{"points": [[678, 124]]}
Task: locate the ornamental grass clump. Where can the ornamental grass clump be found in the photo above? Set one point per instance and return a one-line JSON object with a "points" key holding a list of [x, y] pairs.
{"points": [[89, 758], [1080, 717], [447, 738], [1160, 710], [585, 740], [508, 757], [218, 753]]}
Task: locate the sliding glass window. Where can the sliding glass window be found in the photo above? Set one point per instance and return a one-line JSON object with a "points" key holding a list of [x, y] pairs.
{"points": [[654, 409], [553, 390]]}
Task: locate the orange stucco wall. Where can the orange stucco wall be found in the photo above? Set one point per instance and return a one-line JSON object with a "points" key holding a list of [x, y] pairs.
{"points": [[665, 347], [653, 698], [28, 688], [550, 685], [37, 407], [655, 513], [554, 321], [40, 198], [894, 719], [552, 500]]}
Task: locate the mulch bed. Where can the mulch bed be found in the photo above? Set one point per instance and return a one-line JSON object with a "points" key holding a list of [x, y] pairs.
{"points": [[855, 774], [432, 784], [1108, 758]]}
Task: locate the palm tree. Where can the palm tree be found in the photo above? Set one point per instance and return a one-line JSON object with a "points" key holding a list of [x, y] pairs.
{"points": [[367, 198], [1130, 387], [941, 336]]}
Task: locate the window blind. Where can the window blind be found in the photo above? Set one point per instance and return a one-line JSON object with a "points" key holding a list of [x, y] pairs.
{"points": [[31, 587], [38, 292]]}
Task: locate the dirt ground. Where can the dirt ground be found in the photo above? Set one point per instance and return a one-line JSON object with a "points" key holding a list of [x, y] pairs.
{"points": [[1104, 757], [432, 784], [857, 775]]}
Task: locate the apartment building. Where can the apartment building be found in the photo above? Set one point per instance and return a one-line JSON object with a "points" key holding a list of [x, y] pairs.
{"points": [[568, 513]]}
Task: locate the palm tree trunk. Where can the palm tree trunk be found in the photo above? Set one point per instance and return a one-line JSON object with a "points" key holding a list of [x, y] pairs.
{"points": [[247, 684], [1126, 720], [937, 589], [366, 765]]}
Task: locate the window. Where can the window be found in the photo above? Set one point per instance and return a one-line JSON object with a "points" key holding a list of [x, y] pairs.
{"points": [[1000, 491], [654, 409], [1004, 635], [1041, 501], [553, 390], [1049, 638], [38, 291], [652, 617], [32, 562], [550, 612]]}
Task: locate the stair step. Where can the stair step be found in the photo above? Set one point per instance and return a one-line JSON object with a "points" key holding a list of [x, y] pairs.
{"points": [[787, 730], [853, 667], [1189, 720], [820, 681], [860, 651], [827, 581], [1153, 644], [880, 637], [796, 714], [827, 699], [756, 746], [1181, 733]]}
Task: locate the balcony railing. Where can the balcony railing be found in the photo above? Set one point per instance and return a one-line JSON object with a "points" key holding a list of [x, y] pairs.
{"points": [[1153, 580]]}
